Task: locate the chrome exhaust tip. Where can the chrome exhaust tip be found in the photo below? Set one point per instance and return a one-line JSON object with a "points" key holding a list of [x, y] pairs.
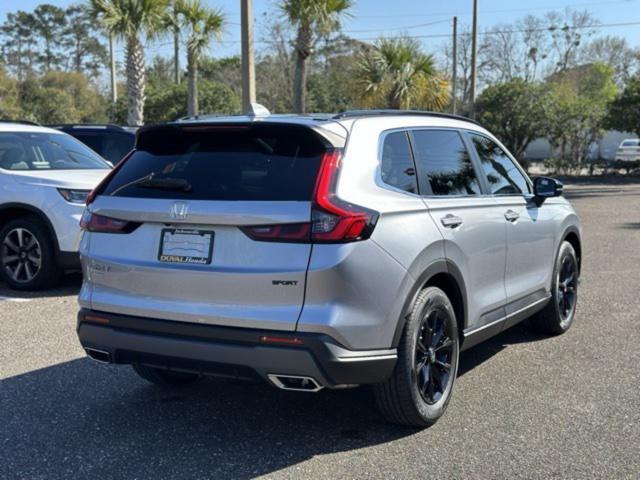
{"points": [[295, 383], [98, 355]]}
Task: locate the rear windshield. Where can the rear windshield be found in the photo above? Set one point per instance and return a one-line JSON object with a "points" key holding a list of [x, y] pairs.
{"points": [[630, 143], [46, 151], [256, 162]]}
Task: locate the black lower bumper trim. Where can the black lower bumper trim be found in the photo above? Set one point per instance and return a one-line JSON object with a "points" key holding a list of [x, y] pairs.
{"points": [[68, 260], [228, 351]]}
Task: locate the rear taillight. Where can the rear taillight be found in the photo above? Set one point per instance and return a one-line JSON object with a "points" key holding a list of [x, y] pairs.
{"points": [[99, 223], [288, 232], [332, 220], [100, 187]]}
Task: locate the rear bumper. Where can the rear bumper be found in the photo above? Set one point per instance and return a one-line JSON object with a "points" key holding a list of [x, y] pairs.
{"points": [[229, 352]]}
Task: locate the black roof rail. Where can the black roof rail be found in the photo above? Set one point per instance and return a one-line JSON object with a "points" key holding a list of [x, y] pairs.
{"points": [[21, 122], [383, 112]]}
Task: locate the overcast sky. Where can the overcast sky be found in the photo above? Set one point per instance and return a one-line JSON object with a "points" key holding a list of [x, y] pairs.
{"points": [[372, 18]]}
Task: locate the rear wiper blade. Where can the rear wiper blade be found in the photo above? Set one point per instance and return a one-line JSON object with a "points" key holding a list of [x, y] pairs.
{"points": [[165, 184]]}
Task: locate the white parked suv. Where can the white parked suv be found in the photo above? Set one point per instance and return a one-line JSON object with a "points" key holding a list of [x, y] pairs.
{"points": [[45, 177], [628, 151]]}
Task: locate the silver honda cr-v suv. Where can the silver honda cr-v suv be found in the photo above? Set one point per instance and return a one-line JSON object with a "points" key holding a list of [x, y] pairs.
{"points": [[322, 252]]}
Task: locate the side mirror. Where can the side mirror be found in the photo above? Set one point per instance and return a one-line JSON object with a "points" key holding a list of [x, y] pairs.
{"points": [[545, 187]]}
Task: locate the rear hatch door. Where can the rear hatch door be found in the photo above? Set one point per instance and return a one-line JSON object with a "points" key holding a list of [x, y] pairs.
{"points": [[188, 193]]}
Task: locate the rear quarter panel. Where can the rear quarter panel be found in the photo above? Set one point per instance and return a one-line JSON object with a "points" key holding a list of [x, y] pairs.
{"points": [[357, 292]]}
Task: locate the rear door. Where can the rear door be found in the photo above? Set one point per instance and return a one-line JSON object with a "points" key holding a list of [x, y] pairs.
{"points": [[472, 227], [196, 197]]}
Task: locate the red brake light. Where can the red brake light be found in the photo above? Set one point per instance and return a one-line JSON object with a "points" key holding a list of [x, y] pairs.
{"points": [[99, 223], [332, 220], [98, 189]]}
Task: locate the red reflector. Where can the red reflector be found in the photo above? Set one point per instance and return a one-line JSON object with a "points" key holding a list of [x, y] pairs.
{"points": [[281, 340], [95, 319]]}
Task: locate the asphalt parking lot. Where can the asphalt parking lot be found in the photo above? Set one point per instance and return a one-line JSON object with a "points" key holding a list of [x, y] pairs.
{"points": [[525, 406]]}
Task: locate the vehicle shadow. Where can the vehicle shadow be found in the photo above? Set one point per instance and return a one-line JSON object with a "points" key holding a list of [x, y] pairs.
{"points": [[630, 226], [80, 419], [520, 333], [69, 285]]}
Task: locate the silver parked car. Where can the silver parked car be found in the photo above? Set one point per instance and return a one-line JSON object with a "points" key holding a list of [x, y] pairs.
{"points": [[322, 252]]}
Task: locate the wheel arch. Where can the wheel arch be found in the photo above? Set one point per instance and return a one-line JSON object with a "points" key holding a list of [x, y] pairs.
{"points": [[445, 275], [12, 211], [572, 235]]}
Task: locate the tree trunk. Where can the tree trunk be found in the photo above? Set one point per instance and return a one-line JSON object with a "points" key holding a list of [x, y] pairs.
{"points": [[303, 52], [176, 55], [192, 85], [78, 56], [135, 81]]}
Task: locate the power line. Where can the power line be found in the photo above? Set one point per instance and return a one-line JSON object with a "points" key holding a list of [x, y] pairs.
{"points": [[406, 27], [447, 35], [492, 32], [510, 10]]}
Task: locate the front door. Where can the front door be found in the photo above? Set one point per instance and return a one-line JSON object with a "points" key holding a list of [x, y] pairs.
{"points": [[530, 228]]}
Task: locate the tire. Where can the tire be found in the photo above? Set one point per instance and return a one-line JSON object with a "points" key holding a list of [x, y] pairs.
{"points": [[32, 264], [407, 398], [557, 317], [165, 378]]}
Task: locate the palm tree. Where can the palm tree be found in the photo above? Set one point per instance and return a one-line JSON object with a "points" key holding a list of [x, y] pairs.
{"points": [[201, 25], [314, 18], [397, 74], [130, 20]]}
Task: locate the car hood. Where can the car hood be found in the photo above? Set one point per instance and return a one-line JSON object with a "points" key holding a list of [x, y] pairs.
{"points": [[80, 179]]}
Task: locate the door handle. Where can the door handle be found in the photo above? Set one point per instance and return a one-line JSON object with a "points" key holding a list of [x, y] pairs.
{"points": [[511, 216], [451, 221]]}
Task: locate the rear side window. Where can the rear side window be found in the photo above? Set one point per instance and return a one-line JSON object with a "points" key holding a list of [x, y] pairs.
{"points": [[444, 164], [503, 176], [110, 145], [396, 164], [224, 162]]}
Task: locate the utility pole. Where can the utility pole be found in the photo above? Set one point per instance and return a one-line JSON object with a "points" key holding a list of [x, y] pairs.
{"points": [[114, 84], [474, 60], [248, 60], [454, 75]]}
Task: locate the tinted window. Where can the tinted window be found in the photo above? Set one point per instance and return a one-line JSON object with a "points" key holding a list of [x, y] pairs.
{"points": [[46, 151], [503, 176], [257, 162], [110, 145], [444, 163], [396, 164]]}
